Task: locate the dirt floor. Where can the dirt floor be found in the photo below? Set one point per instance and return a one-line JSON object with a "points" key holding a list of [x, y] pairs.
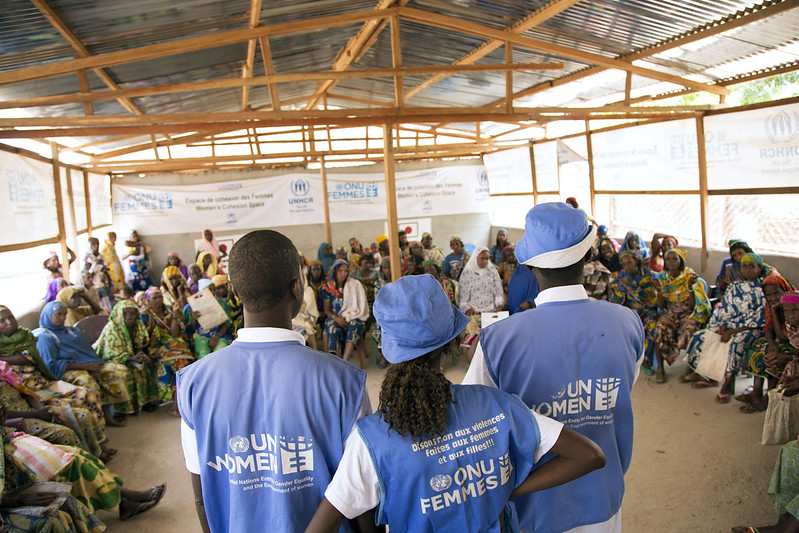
{"points": [[697, 466]]}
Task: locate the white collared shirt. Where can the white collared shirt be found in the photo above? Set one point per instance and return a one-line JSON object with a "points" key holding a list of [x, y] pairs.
{"points": [[249, 335]]}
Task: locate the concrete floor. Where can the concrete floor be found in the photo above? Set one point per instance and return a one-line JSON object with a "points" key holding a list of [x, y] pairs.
{"points": [[697, 465]]}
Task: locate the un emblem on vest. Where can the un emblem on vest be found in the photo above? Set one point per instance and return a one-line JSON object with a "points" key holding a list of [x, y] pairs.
{"points": [[440, 482], [300, 187], [239, 444]]}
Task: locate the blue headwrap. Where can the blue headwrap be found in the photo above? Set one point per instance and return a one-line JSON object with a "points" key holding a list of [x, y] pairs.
{"points": [[61, 345]]}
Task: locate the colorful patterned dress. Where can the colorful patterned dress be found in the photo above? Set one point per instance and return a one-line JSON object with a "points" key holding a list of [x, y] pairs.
{"points": [[639, 294], [688, 307], [109, 252], [117, 345], [742, 306], [173, 353]]}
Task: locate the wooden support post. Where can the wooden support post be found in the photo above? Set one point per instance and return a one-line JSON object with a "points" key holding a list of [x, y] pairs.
{"points": [[87, 198], [396, 58], [532, 175], [74, 219], [508, 78], [628, 87], [391, 201], [591, 185], [328, 231], [59, 210], [703, 196]]}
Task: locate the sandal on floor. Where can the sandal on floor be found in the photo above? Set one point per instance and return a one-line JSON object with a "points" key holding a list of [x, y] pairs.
{"points": [[140, 508], [723, 398], [704, 384], [755, 407], [157, 492], [659, 378], [745, 396], [690, 378]]}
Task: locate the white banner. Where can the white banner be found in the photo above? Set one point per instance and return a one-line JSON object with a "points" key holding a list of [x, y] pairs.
{"points": [[650, 157], [758, 148], [509, 171], [296, 199], [545, 157], [27, 202], [100, 199]]}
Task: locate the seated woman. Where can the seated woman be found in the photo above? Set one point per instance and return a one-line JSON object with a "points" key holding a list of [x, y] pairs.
{"points": [[30, 459], [137, 255], [632, 241], [346, 311], [208, 265], [385, 466], [773, 351], [450, 287], [315, 280], [454, 262], [115, 270], [70, 357], [596, 278], [71, 426], [635, 288], [224, 292], [507, 266], [739, 319], [124, 341], [608, 255], [661, 243], [685, 309], [173, 259], [325, 256], [383, 280], [18, 349], [78, 305], [356, 251], [413, 262], [730, 270], [168, 342], [207, 341], [480, 291], [196, 274], [307, 319], [210, 245], [497, 251], [174, 287], [367, 275]]}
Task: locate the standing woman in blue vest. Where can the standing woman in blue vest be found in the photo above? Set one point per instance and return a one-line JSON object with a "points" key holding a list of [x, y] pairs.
{"points": [[437, 456]]}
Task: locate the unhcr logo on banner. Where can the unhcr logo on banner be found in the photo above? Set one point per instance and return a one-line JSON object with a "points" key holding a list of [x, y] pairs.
{"points": [[781, 128], [300, 199], [300, 187]]}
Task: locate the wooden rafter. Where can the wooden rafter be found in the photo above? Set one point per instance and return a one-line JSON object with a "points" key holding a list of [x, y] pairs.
{"points": [[351, 52], [269, 67], [249, 61], [736, 20], [181, 46], [480, 30], [83, 52], [534, 19], [266, 80]]}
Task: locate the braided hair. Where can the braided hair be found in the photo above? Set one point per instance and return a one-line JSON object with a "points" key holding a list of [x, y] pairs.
{"points": [[415, 396]]}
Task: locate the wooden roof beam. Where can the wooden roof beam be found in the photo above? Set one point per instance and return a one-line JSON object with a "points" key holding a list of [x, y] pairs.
{"points": [[736, 20], [181, 46], [269, 67], [471, 28], [249, 61], [268, 80], [83, 52], [534, 19]]}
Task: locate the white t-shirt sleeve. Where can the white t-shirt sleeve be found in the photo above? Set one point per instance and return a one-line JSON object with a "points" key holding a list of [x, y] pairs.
{"points": [[549, 429], [189, 442], [355, 487], [478, 371]]}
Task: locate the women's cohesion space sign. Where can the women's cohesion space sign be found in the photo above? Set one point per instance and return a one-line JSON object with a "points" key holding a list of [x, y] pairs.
{"points": [[296, 199]]}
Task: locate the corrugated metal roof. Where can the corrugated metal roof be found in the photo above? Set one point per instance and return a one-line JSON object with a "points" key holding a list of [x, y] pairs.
{"points": [[609, 28]]}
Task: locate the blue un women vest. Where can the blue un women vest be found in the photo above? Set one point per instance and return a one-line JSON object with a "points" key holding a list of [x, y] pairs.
{"points": [[270, 421], [461, 481], [575, 362]]}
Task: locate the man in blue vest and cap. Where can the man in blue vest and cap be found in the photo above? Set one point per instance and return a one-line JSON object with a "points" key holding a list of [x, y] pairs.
{"points": [[265, 420], [571, 358]]}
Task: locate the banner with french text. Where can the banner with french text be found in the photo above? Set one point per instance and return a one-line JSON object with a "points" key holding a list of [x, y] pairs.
{"points": [[27, 202], [296, 199]]}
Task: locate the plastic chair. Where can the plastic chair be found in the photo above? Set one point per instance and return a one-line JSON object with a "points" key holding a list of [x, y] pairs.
{"points": [[92, 326]]}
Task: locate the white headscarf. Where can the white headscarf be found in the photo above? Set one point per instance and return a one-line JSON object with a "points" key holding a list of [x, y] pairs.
{"points": [[472, 266]]}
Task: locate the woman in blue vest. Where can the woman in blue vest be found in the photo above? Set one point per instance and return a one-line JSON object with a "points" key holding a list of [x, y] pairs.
{"points": [[437, 456]]}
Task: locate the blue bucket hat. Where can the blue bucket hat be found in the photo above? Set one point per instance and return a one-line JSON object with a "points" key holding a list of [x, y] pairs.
{"points": [[415, 317], [555, 236]]}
